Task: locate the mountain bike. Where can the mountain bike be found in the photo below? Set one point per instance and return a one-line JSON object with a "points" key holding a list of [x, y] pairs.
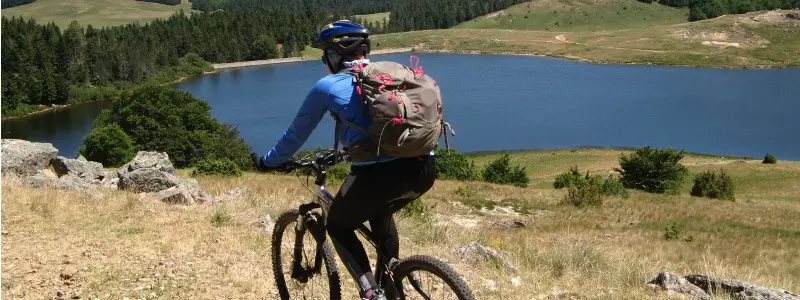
{"points": [[304, 263]]}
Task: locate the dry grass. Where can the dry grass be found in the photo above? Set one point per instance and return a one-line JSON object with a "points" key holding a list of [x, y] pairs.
{"points": [[760, 44], [97, 13], [121, 245]]}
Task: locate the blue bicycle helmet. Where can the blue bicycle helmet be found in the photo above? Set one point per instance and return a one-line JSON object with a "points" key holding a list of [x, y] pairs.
{"points": [[345, 37]]}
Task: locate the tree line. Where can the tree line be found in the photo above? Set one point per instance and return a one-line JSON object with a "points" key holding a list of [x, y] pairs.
{"points": [[12, 3], [706, 9], [166, 2], [408, 15], [334, 7], [41, 64]]}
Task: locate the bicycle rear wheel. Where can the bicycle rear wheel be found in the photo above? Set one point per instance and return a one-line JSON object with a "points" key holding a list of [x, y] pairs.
{"points": [[303, 268], [425, 277]]}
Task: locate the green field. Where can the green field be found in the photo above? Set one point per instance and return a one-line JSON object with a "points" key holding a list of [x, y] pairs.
{"points": [[585, 15], [378, 17], [95, 12], [751, 40]]}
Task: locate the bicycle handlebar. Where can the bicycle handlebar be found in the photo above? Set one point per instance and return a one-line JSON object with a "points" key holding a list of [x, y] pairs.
{"points": [[321, 161]]}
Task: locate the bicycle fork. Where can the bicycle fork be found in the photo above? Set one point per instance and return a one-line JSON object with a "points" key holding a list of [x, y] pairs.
{"points": [[307, 222]]}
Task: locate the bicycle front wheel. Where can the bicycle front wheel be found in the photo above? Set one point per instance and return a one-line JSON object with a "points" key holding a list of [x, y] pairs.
{"points": [[304, 268], [425, 277]]}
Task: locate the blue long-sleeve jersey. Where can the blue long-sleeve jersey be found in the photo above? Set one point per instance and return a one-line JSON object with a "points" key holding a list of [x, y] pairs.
{"points": [[336, 93]]}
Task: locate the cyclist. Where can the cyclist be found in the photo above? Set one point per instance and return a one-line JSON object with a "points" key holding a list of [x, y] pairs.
{"points": [[375, 188]]}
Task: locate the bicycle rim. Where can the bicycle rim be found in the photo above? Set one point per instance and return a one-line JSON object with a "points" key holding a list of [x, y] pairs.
{"points": [[427, 278], [316, 277]]}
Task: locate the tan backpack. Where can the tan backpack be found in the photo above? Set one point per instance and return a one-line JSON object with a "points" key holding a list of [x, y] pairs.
{"points": [[406, 109]]}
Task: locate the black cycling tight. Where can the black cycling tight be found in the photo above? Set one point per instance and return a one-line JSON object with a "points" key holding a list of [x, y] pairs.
{"points": [[373, 193]]}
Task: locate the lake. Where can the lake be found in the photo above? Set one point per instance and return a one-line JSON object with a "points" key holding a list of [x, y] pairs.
{"points": [[498, 102]]}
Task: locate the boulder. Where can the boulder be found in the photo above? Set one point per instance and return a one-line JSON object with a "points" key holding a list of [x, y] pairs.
{"points": [[147, 172], [673, 283], [186, 192], [475, 252], [26, 158], [89, 170], [67, 182], [738, 289], [509, 223]]}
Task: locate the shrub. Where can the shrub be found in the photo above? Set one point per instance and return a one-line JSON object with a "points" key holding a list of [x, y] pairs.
{"points": [[452, 165], [608, 187], [466, 192], [220, 218], [613, 187], [770, 159], [501, 171], [653, 170], [673, 232], [709, 184], [416, 209], [109, 145], [584, 193], [338, 172], [568, 179], [217, 167], [165, 119]]}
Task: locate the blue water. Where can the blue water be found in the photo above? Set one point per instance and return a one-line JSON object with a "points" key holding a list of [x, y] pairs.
{"points": [[500, 102]]}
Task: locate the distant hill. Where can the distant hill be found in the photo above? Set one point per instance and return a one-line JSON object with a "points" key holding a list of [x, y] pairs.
{"points": [[94, 12], [587, 15]]}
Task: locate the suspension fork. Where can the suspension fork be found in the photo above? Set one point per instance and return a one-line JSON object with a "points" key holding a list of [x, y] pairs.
{"points": [[307, 221]]}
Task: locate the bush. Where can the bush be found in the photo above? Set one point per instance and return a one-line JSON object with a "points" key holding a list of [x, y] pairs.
{"points": [[608, 187], [673, 232], [653, 170], [568, 179], [584, 193], [770, 159], [613, 187], [217, 167], [711, 185], [338, 172], [108, 145], [452, 165], [416, 209], [165, 119], [501, 171]]}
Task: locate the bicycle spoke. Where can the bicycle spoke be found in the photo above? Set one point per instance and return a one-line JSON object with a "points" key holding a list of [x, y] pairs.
{"points": [[316, 285], [426, 286]]}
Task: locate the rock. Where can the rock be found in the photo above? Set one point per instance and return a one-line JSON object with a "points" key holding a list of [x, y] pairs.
{"points": [[80, 167], [516, 281], [110, 182], [68, 273], [266, 223], [509, 223], [186, 192], [26, 158], [193, 188], [67, 182], [738, 289], [475, 251], [147, 172], [793, 16], [490, 284], [676, 284]]}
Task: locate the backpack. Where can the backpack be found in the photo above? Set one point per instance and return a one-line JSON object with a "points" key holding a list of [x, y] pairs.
{"points": [[406, 109]]}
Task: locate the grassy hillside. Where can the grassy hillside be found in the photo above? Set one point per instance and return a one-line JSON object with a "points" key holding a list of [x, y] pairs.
{"points": [[378, 17], [121, 245], [589, 15], [751, 40], [95, 12]]}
